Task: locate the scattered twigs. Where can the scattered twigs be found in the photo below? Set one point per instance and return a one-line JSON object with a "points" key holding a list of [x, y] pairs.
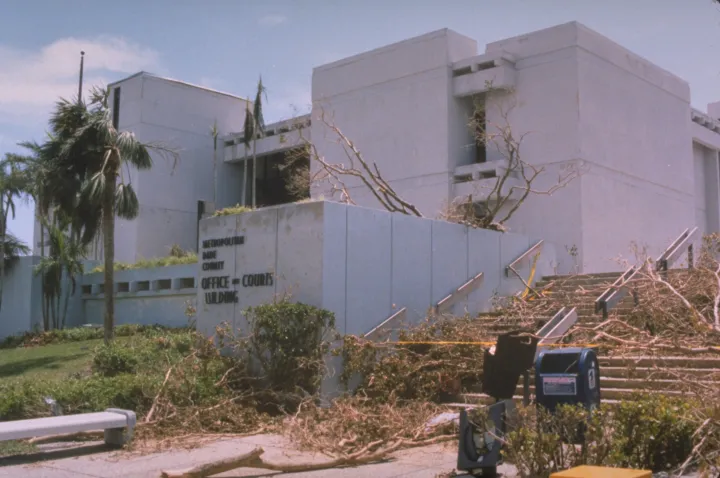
{"points": [[149, 415]]}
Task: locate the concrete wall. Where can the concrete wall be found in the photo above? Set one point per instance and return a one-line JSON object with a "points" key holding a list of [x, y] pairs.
{"points": [[394, 104], [143, 296], [21, 298], [178, 116], [363, 264]]}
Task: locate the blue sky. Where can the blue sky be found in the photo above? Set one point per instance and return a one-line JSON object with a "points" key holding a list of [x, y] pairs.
{"points": [[226, 44]]}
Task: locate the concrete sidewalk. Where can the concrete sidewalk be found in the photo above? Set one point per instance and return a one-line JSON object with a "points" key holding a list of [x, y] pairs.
{"points": [[94, 461]]}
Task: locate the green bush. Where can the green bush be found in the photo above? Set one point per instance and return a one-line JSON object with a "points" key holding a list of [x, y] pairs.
{"points": [[111, 360], [651, 432], [288, 343], [81, 334], [229, 211]]}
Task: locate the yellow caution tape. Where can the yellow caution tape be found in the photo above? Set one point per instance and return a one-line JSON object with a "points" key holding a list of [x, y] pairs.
{"points": [[532, 275], [403, 342]]}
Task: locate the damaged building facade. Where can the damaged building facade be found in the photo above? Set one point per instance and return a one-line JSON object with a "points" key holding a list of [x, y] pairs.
{"points": [[645, 161]]}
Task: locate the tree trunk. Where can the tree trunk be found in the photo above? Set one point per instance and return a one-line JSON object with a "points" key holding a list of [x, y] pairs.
{"points": [[3, 230], [63, 316], [109, 251], [215, 178], [254, 181], [42, 254], [245, 181]]}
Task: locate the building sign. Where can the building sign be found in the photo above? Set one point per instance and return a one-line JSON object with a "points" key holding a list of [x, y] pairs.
{"points": [[218, 289], [223, 242]]}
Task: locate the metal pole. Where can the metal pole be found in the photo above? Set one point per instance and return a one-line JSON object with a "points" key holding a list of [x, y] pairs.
{"points": [[82, 61]]}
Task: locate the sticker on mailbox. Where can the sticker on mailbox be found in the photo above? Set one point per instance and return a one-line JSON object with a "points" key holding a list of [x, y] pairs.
{"points": [[559, 386]]}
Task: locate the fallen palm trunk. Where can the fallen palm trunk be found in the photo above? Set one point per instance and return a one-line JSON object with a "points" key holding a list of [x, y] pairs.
{"points": [[253, 460]]}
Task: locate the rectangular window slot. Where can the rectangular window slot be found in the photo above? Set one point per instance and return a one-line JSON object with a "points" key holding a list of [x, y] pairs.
{"points": [[463, 178], [101, 288], [164, 284], [486, 65], [488, 175], [186, 283], [462, 71], [143, 285], [123, 287], [87, 289]]}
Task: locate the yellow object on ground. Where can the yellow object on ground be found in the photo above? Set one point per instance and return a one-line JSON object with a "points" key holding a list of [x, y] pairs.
{"points": [[601, 472]]}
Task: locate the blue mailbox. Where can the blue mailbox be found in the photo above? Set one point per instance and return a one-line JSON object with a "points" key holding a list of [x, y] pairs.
{"points": [[567, 376]]}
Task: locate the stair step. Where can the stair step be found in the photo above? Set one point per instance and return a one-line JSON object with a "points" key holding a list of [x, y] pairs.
{"points": [[635, 385], [665, 362], [654, 373]]}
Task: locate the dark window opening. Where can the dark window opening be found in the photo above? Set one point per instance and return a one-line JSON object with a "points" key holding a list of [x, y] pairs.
{"points": [[282, 178], [116, 108]]}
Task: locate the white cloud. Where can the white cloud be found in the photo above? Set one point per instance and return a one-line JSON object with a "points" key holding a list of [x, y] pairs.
{"points": [[32, 80], [272, 20]]}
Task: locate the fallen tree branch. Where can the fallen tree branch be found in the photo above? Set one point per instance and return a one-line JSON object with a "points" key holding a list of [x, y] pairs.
{"points": [[253, 460], [216, 467]]}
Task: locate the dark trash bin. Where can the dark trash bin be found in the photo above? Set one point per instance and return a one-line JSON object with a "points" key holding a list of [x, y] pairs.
{"points": [[567, 376], [513, 355]]}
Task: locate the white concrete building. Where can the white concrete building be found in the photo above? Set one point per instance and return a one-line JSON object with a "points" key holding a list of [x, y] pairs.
{"points": [[648, 161]]}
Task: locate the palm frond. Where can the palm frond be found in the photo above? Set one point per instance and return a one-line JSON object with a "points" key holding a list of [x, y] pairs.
{"points": [[133, 151], [126, 202], [258, 109], [12, 248], [249, 126]]}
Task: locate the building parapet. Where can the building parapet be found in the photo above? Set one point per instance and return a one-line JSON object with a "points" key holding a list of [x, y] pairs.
{"points": [[278, 137], [704, 120], [482, 73]]}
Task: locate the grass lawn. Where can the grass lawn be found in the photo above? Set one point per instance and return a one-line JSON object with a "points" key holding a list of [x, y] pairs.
{"points": [[47, 362]]}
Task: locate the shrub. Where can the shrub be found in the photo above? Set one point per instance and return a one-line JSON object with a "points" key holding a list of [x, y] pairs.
{"points": [[172, 260], [649, 432], [229, 211], [79, 334], [111, 360], [288, 342], [653, 432], [416, 371]]}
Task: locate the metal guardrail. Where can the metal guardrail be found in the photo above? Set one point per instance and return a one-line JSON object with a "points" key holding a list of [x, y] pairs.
{"points": [[618, 290], [615, 293], [459, 293], [524, 257], [558, 326], [673, 253], [396, 317]]}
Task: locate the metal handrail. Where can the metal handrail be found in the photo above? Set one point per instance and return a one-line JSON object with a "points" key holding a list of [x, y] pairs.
{"points": [[615, 293], [451, 299], [558, 326], [673, 253], [400, 314], [525, 256], [618, 290]]}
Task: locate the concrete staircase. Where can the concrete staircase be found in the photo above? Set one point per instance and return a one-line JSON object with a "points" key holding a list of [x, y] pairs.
{"points": [[621, 376]]}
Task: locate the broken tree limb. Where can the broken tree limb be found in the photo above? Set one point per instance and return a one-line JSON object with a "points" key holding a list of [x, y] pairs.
{"points": [[253, 460], [216, 467]]}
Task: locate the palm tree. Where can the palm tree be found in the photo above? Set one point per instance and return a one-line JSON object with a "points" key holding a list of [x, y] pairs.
{"points": [[12, 184], [214, 133], [34, 170], [88, 183], [258, 131], [64, 260], [248, 135], [12, 249]]}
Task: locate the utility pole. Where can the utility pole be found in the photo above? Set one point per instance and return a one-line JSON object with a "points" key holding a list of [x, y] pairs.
{"points": [[82, 61]]}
